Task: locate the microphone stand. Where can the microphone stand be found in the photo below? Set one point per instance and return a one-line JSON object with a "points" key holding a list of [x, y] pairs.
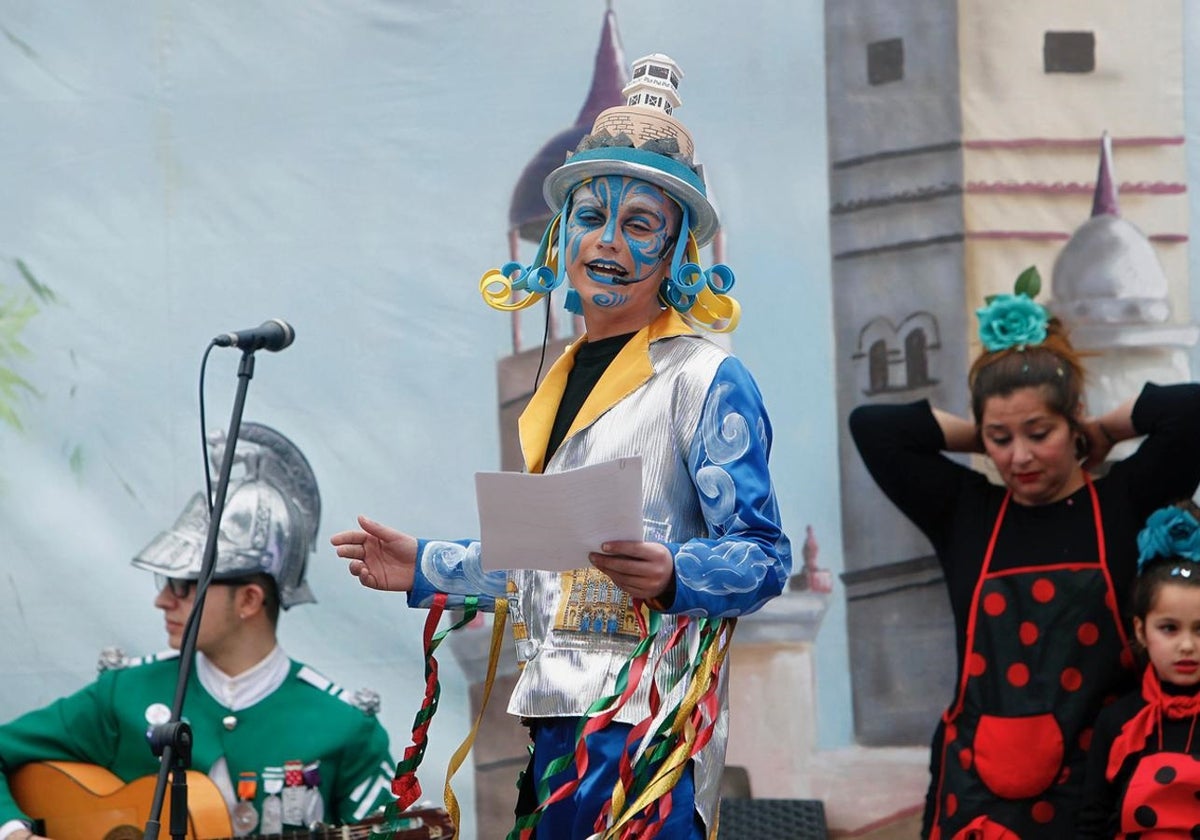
{"points": [[172, 741]]}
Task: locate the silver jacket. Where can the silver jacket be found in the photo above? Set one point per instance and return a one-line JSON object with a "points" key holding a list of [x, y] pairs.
{"points": [[694, 416]]}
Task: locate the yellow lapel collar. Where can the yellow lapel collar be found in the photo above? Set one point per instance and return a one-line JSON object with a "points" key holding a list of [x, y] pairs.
{"points": [[627, 372], [537, 419]]}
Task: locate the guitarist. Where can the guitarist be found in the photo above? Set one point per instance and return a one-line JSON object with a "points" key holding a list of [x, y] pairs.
{"points": [[286, 747]]}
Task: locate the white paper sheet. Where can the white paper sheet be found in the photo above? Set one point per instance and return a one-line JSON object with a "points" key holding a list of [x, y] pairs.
{"points": [[551, 522]]}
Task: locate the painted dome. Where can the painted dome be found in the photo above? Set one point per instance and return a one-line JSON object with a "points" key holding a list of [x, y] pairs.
{"points": [[1108, 272]]}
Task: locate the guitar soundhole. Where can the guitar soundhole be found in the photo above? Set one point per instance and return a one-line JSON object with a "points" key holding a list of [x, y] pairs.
{"points": [[124, 832]]}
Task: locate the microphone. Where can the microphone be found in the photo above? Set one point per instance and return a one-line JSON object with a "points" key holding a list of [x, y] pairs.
{"points": [[271, 335]]}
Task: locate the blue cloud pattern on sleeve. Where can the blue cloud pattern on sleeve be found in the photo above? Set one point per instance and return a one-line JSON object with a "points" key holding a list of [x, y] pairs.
{"points": [[454, 568], [746, 558]]}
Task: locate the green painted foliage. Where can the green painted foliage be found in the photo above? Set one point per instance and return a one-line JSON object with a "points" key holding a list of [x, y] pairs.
{"points": [[17, 307]]}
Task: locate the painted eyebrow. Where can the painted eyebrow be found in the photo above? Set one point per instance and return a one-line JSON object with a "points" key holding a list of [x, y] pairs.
{"points": [[629, 208], [646, 207], [637, 206]]}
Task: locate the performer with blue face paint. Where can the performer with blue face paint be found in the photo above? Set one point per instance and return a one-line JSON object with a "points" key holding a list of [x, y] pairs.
{"points": [[623, 665]]}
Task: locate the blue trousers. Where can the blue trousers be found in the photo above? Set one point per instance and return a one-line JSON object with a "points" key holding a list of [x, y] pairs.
{"points": [[574, 817]]}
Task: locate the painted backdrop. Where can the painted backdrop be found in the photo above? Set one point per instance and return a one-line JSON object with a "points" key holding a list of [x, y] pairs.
{"points": [[176, 169]]}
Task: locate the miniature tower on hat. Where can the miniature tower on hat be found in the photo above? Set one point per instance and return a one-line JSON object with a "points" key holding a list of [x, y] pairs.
{"points": [[655, 83], [651, 97]]}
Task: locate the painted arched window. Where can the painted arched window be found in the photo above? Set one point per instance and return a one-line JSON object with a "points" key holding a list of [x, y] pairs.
{"points": [[877, 366], [916, 359]]}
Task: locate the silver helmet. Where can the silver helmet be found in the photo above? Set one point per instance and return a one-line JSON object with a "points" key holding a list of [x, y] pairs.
{"points": [[272, 513]]}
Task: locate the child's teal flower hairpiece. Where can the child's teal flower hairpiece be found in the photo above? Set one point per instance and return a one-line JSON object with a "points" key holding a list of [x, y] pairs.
{"points": [[1169, 532]]}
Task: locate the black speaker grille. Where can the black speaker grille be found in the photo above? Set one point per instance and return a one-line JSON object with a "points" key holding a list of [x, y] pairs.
{"points": [[772, 819]]}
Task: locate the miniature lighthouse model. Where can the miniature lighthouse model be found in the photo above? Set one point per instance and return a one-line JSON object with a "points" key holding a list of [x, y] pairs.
{"points": [[651, 97], [655, 83]]}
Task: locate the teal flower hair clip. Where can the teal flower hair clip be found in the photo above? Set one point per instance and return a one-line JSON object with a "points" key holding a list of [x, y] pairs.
{"points": [[1169, 532], [1014, 320]]}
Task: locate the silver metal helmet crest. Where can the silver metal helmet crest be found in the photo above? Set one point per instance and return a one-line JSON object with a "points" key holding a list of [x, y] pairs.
{"points": [[270, 522]]}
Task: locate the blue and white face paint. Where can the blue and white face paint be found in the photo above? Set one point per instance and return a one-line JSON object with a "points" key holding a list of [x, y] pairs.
{"points": [[619, 233], [613, 233]]}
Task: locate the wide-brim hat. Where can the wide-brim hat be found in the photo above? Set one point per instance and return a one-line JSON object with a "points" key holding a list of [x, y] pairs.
{"points": [[675, 178], [642, 139]]}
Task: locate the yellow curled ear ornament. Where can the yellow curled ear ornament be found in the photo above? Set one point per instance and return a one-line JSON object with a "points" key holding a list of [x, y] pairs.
{"points": [[700, 295], [500, 286]]}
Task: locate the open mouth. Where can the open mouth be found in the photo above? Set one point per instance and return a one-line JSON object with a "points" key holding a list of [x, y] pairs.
{"points": [[603, 271]]}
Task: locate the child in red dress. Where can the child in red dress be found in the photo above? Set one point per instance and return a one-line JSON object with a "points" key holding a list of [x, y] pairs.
{"points": [[1143, 776]]}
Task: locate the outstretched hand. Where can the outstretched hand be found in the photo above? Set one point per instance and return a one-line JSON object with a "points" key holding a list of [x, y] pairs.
{"points": [[380, 557], [642, 569]]}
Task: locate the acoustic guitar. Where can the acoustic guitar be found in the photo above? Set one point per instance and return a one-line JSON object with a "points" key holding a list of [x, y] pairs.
{"points": [[76, 801]]}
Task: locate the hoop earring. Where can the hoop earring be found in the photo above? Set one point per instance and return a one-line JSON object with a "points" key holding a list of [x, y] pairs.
{"points": [[1083, 446]]}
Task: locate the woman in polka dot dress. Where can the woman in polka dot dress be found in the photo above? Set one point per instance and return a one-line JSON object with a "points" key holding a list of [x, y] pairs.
{"points": [[1033, 565], [1143, 775]]}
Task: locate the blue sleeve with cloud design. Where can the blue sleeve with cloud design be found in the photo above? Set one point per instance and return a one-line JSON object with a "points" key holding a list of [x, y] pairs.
{"points": [[746, 558], [455, 569]]}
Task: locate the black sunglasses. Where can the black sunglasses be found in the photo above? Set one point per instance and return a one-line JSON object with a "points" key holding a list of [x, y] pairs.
{"points": [[183, 587]]}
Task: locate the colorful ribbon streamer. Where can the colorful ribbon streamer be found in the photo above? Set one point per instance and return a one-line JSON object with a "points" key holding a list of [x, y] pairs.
{"points": [[405, 785]]}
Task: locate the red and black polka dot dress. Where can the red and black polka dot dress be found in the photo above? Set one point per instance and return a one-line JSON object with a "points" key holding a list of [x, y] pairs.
{"points": [[1163, 798], [1039, 638], [1144, 771]]}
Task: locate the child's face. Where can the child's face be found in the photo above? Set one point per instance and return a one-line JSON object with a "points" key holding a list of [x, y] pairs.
{"points": [[1171, 633]]}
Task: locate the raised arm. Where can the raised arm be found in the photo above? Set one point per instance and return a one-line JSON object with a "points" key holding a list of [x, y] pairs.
{"points": [[1106, 431], [380, 557], [902, 448], [959, 433], [1166, 465], [392, 561]]}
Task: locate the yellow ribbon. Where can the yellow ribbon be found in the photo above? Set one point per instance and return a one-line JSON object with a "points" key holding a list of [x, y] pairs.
{"points": [[710, 311], [456, 760]]}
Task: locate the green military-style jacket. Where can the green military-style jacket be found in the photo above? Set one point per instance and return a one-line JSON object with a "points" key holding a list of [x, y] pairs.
{"points": [[308, 722]]}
